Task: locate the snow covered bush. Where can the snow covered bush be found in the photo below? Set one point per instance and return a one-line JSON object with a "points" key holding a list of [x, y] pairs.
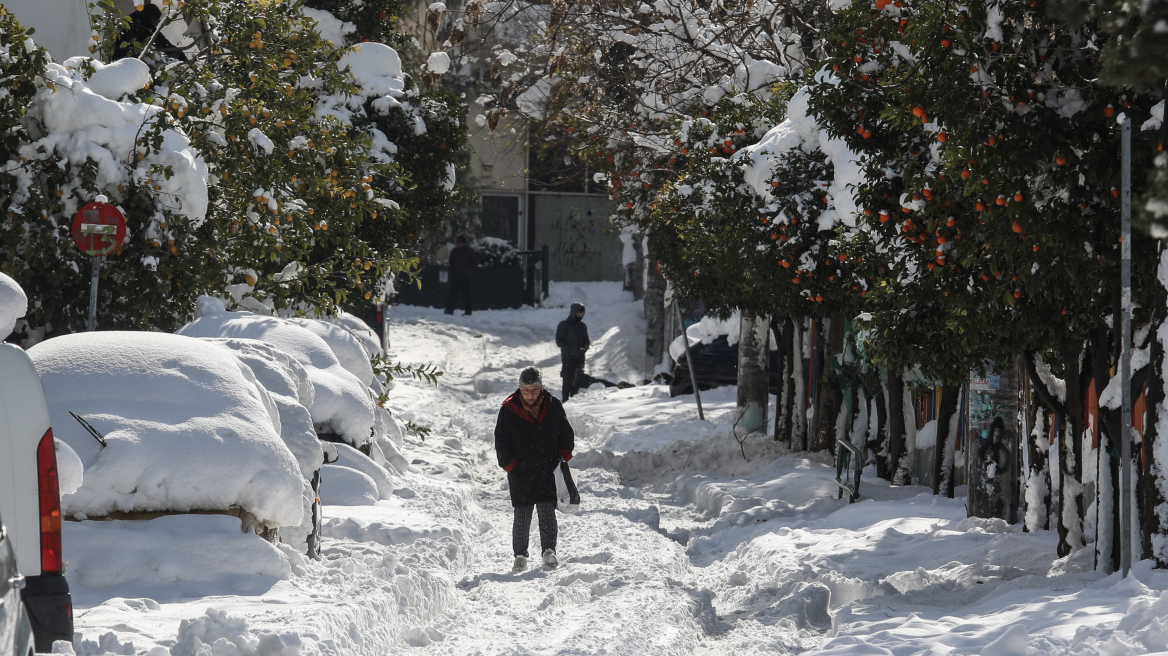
{"points": [[70, 140], [274, 162], [185, 426]]}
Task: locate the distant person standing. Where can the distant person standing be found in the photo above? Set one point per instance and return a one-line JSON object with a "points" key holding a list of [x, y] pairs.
{"points": [[572, 338], [463, 261]]}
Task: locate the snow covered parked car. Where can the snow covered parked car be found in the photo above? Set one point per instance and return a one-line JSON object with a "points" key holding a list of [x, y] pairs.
{"points": [[30, 502], [166, 424], [335, 354], [713, 343]]}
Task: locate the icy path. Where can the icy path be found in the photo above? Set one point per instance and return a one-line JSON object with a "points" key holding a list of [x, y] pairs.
{"points": [[683, 547]]}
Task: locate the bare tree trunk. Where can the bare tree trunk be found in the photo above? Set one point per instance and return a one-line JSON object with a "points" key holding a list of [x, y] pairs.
{"points": [[1038, 483], [1070, 526], [654, 321], [1150, 497], [831, 396], [753, 373], [943, 456], [784, 388], [880, 445], [896, 442], [798, 389], [635, 273]]}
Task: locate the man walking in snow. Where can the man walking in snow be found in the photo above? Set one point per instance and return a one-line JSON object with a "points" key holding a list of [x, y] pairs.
{"points": [[463, 261], [532, 435], [572, 338]]}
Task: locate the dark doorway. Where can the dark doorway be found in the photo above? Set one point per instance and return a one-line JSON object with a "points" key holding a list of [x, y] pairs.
{"points": [[500, 218]]}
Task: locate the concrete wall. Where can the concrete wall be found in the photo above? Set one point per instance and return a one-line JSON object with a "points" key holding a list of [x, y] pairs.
{"points": [[574, 227], [62, 26], [499, 159]]}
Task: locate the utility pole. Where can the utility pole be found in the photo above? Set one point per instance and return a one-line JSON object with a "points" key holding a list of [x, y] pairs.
{"points": [[1125, 459]]}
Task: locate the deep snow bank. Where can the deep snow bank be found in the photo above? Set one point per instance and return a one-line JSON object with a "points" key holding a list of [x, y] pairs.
{"points": [[185, 427]]}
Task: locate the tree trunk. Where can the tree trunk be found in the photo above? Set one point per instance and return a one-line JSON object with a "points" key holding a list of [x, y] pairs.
{"points": [[1038, 484], [1149, 493], [753, 373], [784, 388], [943, 455], [1106, 487], [831, 396], [1071, 452], [880, 445], [895, 397], [798, 416], [654, 320], [635, 275]]}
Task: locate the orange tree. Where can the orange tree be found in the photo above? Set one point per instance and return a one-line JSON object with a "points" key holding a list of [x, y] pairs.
{"points": [[991, 158], [772, 248]]}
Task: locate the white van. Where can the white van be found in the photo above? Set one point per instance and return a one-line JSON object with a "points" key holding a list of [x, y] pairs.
{"points": [[30, 501]]}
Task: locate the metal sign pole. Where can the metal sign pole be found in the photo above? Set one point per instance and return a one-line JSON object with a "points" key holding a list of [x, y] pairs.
{"points": [[93, 294], [1125, 473]]}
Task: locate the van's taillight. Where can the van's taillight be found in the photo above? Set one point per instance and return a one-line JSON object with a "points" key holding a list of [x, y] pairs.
{"points": [[50, 497]]}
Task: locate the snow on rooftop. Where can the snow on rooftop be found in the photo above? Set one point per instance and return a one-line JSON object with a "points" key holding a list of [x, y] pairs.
{"points": [[185, 428]]}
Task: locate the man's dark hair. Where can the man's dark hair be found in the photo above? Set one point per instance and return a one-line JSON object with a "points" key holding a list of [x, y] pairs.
{"points": [[530, 376], [461, 239]]}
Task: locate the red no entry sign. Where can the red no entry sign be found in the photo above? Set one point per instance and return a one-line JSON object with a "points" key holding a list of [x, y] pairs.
{"points": [[99, 229]]}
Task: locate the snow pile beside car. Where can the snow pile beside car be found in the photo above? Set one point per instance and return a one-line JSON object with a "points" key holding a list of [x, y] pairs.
{"points": [[186, 427]]}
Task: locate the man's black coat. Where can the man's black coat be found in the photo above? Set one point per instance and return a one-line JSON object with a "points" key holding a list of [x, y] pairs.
{"points": [[530, 448], [572, 338], [463, 260]]}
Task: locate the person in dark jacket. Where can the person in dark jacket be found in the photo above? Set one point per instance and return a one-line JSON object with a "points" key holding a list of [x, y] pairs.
{"points": [[463, 261], [572, 338], [532, 435], [143, 24]]}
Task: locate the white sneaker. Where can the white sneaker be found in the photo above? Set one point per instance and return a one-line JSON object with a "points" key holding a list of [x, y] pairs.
{"points": [[520, 564], [549, 558]]}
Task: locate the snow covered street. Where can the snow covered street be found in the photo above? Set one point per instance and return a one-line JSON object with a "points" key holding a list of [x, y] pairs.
{"points": [[682, 545]]}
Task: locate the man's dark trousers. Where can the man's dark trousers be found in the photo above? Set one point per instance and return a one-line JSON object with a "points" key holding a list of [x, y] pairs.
{"points": [[458, 288]]}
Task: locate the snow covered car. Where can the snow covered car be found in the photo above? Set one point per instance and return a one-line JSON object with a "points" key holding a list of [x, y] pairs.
{"points": [[716, 366], [30, 501], [165, 424], [15, 629]]}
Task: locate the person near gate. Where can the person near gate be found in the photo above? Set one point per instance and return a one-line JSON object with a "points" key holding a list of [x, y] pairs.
{"points": [[463, 261], [532, 436], [572, 338]]}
